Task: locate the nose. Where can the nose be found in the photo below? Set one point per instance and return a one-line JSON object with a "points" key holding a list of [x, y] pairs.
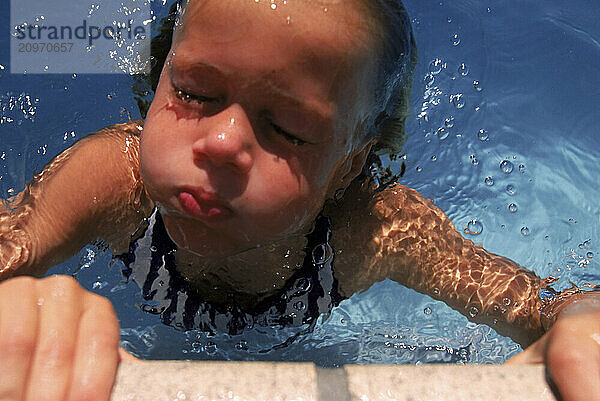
{"points": [[226, 140]]}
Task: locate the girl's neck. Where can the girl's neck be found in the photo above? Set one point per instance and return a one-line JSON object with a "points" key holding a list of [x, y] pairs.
{"points": [[245, 277]]}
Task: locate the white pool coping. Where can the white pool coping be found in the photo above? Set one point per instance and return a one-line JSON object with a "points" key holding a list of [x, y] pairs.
{"points": [[204, 381]]}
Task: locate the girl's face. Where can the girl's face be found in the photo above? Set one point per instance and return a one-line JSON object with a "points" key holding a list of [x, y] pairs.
{"points": [[252, 125]]}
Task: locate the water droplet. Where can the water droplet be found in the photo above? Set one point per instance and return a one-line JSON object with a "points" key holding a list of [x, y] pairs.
{"points": [[477, 86], [473, 311], [109, 96], [455, 38], [242, 345], [427, 311], [489, 180], [483, 135], [457, 100], [74, 76], [299, 305], [590, 255], [436, 291], [435, 67], [512, 208], [449, 123], [506, 167], [288, 19], [419, 169], [98, 285], [463, 69], [442, 133], [525, 231], [506, 301], [273, 6], [474, 227], [46, 68], [474, 160], [511, 189], [522, 168], [153, 248], [433, 158], [572, 221]]}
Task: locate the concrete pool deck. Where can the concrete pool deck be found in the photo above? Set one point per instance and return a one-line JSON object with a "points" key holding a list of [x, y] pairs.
{"points": [[204, 381]]}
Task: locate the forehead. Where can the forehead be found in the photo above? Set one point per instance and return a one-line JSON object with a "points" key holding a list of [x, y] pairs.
{"points": [[324, 46]]}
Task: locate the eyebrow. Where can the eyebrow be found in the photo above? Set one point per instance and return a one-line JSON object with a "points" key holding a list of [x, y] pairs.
{"points": [[310, 110]]}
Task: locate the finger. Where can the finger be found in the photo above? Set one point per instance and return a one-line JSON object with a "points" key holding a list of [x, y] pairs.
{"points": [[97, 353], [18, 334], [125, 356], [53, 361], [574, 364], [534, 354]]}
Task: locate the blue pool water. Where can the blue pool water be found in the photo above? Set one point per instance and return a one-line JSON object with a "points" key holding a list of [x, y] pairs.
{"points": [[534, 107]]}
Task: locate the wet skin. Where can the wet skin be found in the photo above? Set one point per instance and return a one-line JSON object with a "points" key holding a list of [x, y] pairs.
{"points": [[249, 131]]}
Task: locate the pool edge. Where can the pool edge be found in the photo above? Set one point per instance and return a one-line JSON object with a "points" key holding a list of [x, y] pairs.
{"points": [[200, 381]]}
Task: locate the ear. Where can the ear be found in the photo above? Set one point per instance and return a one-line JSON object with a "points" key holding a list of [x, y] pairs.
{"points": [[350, 168]]}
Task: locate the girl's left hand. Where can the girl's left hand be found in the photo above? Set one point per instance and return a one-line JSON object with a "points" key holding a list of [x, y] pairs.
{"points": [[571, 350]]}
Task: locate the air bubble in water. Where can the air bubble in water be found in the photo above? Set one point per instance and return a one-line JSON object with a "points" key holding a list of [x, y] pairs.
{"points": [[435, 67], [512, 208], [489, 180], [211, 347], [474, 160], [455, 37], [477, 86], [463, 69], [474, 227], [590, 255], [433, 158], [522, 168], [525, 231], [483, 135], [427, 311], [511, 189], [321, 253], [506, 166], [457, 100], [473, 311], [428, 80], [449, 123]]}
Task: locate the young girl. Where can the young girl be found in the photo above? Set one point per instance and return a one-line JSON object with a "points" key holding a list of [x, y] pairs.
{"points": [[265, 122]]}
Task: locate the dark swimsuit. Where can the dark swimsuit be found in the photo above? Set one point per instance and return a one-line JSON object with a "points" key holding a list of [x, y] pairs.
{"points": [[310, 292]]}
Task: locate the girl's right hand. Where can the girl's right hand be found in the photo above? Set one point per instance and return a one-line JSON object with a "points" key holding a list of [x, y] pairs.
{"points": [[57, 341]]}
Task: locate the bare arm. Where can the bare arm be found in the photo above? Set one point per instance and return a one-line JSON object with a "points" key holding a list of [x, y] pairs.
{"points": [[408, 239], [92, 190]]}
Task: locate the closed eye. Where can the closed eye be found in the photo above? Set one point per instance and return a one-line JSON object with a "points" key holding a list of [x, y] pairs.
{"points": [[193, 99], [294, 140]]}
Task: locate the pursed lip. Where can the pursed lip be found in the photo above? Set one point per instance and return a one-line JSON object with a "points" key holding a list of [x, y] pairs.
{"points": [[202, 204]]}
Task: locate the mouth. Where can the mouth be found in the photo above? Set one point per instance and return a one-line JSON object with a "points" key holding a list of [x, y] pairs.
{"points": [[203, 205]]}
